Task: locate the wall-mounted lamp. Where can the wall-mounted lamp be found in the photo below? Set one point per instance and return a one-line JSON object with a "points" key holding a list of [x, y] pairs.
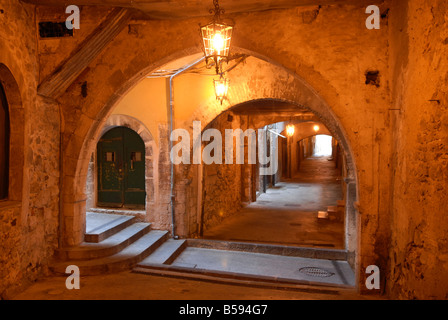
{"points": [[316, 128], [216, 37]]}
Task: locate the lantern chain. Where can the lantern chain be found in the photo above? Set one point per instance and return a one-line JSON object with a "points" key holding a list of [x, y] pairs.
{"points": [[217, 11]]}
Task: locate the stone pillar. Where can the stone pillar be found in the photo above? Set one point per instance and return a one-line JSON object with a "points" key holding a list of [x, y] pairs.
{"points": [[351, 221], [74, 168], [161, 217], [90, 185]]}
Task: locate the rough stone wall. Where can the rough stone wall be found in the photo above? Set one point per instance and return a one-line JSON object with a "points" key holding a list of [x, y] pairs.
{"points": [[41, 236], [223, 183], [419, 247], [10, 260], [29, 219]]}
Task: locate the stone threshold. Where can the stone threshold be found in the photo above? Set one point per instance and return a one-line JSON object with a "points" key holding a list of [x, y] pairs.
{"points": [[139, 214]]}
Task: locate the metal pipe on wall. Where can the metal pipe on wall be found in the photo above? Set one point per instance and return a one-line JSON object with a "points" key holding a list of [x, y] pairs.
{"points": [[171, 122]]}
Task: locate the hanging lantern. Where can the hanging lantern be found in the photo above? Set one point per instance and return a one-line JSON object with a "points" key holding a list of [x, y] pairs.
{"points": [[290, 130], [216, 37], [221, 88]]}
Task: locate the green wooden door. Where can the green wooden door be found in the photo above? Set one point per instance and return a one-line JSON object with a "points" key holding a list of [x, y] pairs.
{"points": [[134, 168], [121, 169]]}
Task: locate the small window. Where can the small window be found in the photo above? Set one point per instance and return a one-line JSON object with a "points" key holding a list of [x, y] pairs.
{"points": [[4, 145], [110, 156], [54, 30]]}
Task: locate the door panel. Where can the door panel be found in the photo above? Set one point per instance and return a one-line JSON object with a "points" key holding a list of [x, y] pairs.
{"points": [[110, 169], [134, 178]]}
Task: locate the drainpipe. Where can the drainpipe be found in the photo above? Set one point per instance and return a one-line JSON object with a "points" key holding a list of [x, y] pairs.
{"points": [[171, 120]]}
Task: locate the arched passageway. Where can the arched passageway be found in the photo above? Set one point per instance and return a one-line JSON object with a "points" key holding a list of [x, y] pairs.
{"points": [[282, 208], [198, 202]]}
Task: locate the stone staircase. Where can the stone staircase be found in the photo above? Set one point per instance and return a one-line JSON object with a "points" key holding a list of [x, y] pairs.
{"points": [[114, 243]]}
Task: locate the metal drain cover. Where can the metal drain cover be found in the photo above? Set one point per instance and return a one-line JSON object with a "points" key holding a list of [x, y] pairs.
{"points": [[316, 272]]}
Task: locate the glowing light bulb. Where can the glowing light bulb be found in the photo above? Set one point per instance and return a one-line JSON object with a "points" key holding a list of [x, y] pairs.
{"points": [[218, 42], [290, 130], [221, 89], [316, 128]]}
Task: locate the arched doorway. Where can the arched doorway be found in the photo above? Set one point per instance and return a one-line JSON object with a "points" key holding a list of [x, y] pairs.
{"points": [[4, 145], [244, 205], [12, 125], [121, 169]]}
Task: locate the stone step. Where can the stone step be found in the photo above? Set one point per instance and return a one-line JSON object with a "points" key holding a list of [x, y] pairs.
{"points": [[107, 247], [166, 254], [261, 266], [240, 280], [101, 226], [280, 250], [191, 273], [123, 260]]}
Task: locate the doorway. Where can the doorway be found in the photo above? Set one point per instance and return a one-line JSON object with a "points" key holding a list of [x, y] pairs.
{"points": [[4, 145], [121, 169]]}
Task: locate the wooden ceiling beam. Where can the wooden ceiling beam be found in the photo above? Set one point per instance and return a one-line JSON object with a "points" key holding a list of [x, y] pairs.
{"points": [[69, 70]]}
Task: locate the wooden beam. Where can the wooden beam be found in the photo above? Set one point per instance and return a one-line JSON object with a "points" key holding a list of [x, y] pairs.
{"points": [[67, 72]]}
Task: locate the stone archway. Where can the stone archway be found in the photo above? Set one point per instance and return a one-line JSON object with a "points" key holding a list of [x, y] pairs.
{"points": [[17, 127], [151, 162], [300, 99], [286, 86], [13, 208]]}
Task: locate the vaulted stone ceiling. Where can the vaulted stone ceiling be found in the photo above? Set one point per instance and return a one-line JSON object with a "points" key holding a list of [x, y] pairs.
{"points": [[178, 9]]}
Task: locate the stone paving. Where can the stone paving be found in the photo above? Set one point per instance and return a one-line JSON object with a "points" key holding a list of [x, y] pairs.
{"points": [[287, 213], [296, 269]]}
